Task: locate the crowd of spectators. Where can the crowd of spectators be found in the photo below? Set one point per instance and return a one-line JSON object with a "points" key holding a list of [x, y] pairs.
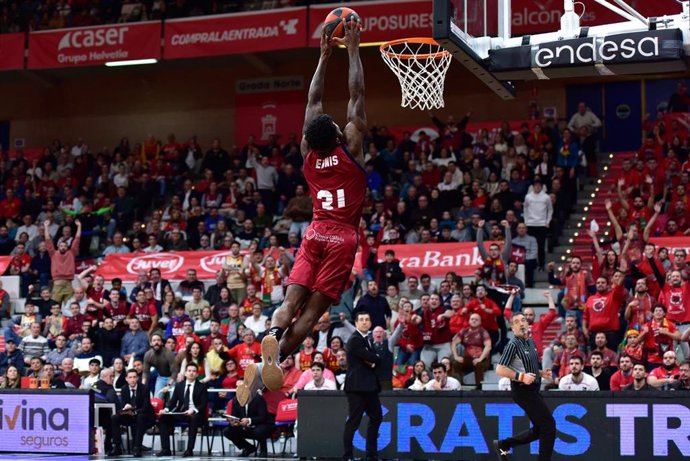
{"points": [[31, 15], [514, 187]]}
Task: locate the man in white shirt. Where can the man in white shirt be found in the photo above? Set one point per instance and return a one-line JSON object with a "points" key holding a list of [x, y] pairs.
{"points": [[257, 321], [441, 381], [538, 211], [583, 117], [578, 380], [29, 227], [318, 382]]}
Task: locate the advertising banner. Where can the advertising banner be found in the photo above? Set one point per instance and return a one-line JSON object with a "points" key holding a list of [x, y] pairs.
{"points": [[601, 426], [672, 244], [630, 53], [12, 51], [417, 259], [92, 46], [264, 107], [536, 16], [44, 421], [381, 21], [4, 263], [437, 259], [236, 33]]}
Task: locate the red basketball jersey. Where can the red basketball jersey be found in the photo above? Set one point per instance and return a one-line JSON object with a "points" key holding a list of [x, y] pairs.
{"points": [[337, 184]]}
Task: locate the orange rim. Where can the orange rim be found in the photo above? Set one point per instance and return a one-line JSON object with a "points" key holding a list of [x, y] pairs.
{"points": [[418, 40]]}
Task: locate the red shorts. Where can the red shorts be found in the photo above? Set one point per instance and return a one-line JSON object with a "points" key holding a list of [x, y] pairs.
{"points": [[324, 260]]}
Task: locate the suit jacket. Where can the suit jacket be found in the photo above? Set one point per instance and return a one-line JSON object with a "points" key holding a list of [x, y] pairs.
{"points": [[141, 402], [361, 377], [256, 411], [199, 397]]}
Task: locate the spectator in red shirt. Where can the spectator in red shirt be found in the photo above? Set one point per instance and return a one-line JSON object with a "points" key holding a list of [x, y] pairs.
{"points": [[602, 310], [608, 357], [658, 334], [11, 206], [62, 266], [247, 352], [537, 328], [665, 376], [410, 341], [675, 297], [488, 311], [20, 265], [572, 329], [623, 377], [471, 349], [569, 351], [145, 312]]}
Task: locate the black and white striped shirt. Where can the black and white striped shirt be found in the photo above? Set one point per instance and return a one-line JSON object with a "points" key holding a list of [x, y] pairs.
{"points": [[521, 355]]}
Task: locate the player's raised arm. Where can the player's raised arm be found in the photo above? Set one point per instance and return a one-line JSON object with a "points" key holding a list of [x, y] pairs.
{"points": [[356, 127], [314, 99]]}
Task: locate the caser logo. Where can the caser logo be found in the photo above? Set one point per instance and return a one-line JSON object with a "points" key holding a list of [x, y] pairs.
{"points": [[88, 38], [167, 263]]}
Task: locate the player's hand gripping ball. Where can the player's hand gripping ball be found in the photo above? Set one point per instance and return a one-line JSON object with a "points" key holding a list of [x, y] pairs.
{"points": [[334, 25]]}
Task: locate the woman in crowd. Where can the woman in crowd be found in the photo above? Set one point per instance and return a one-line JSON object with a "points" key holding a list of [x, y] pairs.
{"points": [[194, 354], [203, 326], [220, 309], [11, 378], [419, 368]]}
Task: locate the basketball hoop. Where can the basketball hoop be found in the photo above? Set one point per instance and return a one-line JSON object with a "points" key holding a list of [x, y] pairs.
{"points": [[420, 65]]}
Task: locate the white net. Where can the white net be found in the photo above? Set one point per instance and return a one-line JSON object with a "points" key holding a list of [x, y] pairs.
{"points": [[420, 65]]}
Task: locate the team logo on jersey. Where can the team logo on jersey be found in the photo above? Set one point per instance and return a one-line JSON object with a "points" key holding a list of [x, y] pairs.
{"points": [[599, 305], [311, 234]]}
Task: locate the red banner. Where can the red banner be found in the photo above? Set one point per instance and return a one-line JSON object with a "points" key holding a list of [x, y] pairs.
{"points": [[90, 46], [4, 263], [536, 16], [672, 244], [264, 107], [12, 51], [437, 259], [236, 33], [381, 21], [173, 266]]}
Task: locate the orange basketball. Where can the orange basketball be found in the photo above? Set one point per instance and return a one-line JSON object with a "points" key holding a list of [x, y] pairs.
{"points": [[334, 21]]}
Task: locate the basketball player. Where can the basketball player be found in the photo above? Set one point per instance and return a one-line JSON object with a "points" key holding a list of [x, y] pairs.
{"points": [[334, 170]]}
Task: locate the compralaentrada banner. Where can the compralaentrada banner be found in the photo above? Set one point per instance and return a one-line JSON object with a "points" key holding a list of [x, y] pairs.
{"points": [[46, 421], [592, 426]]}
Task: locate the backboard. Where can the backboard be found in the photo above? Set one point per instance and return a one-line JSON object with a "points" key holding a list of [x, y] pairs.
{"points": [[562, 38]]}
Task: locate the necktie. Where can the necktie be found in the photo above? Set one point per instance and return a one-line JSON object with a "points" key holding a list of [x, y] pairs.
{"points": [[185, 402], [134, 394]]}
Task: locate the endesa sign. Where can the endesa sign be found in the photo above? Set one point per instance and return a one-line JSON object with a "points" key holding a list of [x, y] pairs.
{"points": [[236, 33], [450, 425], [45, 421], [381, 21], [89, 46], [654, 51]]}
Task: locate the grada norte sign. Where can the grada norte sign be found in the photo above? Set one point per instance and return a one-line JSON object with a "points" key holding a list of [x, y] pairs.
{"points": [[651, 51]]}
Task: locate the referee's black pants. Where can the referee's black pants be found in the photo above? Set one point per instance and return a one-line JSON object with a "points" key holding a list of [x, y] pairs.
{"points": [[358, 403], [543, 424]]}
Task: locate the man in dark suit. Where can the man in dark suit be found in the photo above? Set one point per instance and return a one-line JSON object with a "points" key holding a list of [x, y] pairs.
{"points": [[188, 397], [362, 388], [254, 423], [136, 411]]}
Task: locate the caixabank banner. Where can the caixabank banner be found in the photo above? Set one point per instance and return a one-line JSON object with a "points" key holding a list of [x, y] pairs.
{"points": [[590, 426]]}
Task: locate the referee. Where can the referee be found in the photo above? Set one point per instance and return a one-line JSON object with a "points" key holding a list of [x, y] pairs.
{"points": [[520, 364]]}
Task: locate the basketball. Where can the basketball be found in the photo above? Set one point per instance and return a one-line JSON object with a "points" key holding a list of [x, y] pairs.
{"points": [[334, 21]]}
